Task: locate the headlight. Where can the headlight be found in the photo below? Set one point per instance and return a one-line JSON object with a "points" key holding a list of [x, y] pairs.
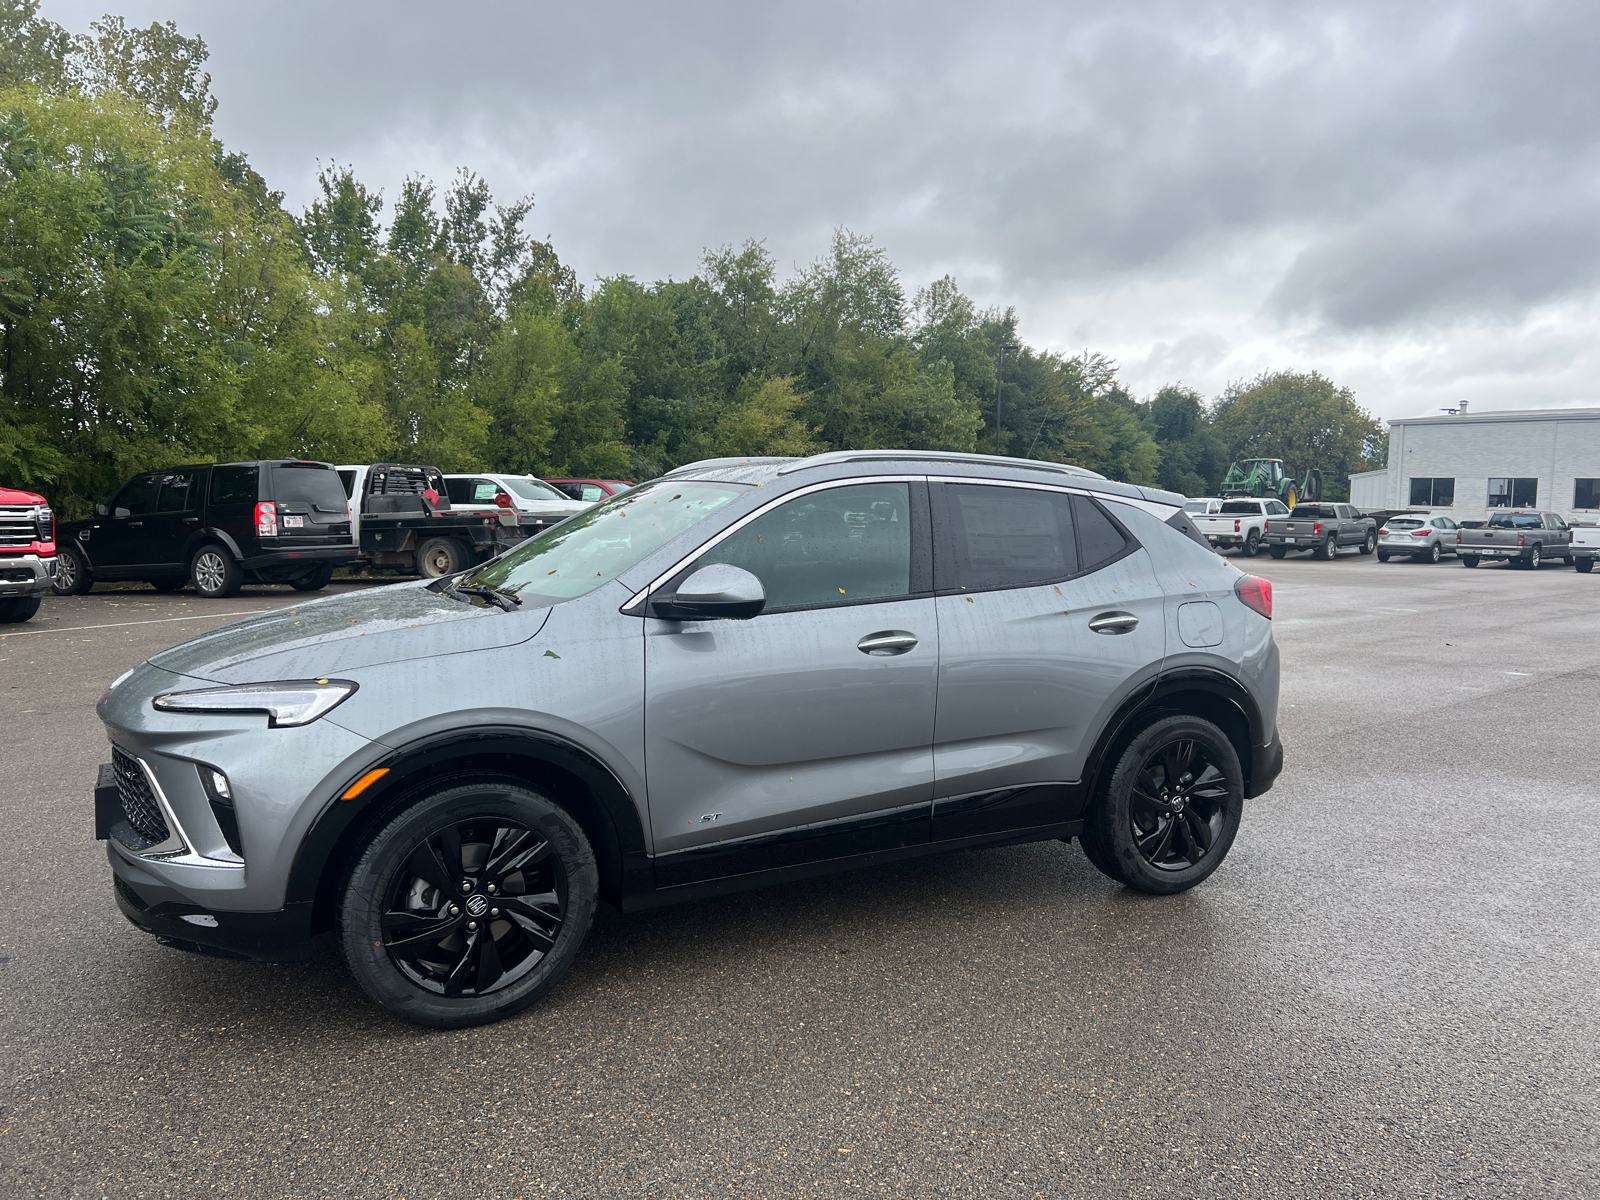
{"points": [[293, 702]]}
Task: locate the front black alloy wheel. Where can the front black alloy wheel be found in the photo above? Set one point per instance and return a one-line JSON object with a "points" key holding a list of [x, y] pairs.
{"points": [[469, 905], [72, 573], [1169, 813]]}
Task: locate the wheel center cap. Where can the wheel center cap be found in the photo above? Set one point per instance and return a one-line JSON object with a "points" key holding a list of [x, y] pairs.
{"points": [[477, 905]]}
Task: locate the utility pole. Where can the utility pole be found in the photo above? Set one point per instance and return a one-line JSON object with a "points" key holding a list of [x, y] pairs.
{"points": [[999, 379]]}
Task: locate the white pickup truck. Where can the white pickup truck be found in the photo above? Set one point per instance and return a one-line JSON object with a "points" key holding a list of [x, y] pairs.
{"points": [[1585, 546], [1238, 523]]}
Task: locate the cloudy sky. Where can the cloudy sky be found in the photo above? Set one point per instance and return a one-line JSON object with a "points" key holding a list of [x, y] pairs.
{"points": [[1400, 195]]}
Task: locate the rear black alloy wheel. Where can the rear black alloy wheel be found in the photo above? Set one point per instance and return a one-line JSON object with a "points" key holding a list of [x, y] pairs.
{"points": [[469, 905], [1252, 544], [1169, 814], [214, 573]]}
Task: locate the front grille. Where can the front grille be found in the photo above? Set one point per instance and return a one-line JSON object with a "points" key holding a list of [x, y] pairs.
{"points": [[16, 526], [138, 801]]}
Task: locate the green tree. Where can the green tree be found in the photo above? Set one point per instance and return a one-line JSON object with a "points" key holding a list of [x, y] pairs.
{"points": [[1304, 419], [1193, 457]]}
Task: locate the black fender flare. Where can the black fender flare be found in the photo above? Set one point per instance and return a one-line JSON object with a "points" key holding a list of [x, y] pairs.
{"points": [[1223, 687], [620, 849], [201, 536]]}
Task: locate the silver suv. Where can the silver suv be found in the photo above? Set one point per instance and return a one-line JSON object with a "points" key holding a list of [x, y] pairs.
{"points": [[744, 672]]}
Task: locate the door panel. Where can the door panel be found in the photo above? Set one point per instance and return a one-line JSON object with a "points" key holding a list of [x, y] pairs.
{"points": [[1025, 683], [177, 515], [820, 710], [122, 542]]}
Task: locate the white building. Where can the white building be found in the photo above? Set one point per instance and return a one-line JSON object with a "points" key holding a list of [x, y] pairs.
{"points": [[1461, 466]]}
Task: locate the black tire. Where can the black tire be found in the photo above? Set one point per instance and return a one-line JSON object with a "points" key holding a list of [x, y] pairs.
{"points": [[440, 556], [72, 573], [1252, 543], [1383, 556], [1325, 549], [18, 608], [1371, 544], [1534, 559], [1433, 555], [1469, 560], [1277, 551], [315, 581], [410, 930], [1584, 565], [1156, 837], [168, 585], [214, 573]]}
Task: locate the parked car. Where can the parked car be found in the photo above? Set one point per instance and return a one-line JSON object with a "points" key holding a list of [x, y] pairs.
{"points": [[529, 497], [404, 520], [1321, 528], [590, 491], [27, 552], [215, 525], [1201, 505], [1419, 536], [1585, 546], [806, 665], [1525, 539], [1239, 523]]}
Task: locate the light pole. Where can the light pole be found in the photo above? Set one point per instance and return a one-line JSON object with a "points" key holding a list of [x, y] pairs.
{"points": [[999, 379]]}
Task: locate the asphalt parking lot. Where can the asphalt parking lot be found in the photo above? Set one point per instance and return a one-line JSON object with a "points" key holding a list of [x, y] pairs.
{"points": [[1390, 988]]}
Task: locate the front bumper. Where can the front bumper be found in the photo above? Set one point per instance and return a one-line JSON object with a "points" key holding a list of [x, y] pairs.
{"points": [[158, 909], [1265, 767], [26, 574]]}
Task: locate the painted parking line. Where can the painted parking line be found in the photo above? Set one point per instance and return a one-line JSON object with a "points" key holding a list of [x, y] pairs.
{"points": [[121, 624]]}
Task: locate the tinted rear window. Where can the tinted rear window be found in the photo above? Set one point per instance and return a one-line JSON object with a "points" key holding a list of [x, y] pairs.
{"points": [[316, 485], [1316, 512], [1515, 521], [234, 485], [1407, 523], [1234, 507]]}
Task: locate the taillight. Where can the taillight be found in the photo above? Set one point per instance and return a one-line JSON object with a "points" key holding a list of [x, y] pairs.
{"points": [[1265, 526], [1317, 528], [266, 519], [1419, 533], [1384, 532], [1236, 526], [1458, 537], [503, 499], [1256, 593], [1522, 539]]}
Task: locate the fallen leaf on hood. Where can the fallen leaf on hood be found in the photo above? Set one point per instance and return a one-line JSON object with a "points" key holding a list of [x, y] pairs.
{"points": [[551, 654]]}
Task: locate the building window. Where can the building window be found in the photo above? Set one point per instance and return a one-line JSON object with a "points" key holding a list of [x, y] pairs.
{"points": [[1436, 493], [1586, 493], [1513, 493]]}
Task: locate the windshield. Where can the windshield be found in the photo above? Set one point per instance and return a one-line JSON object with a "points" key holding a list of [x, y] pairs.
{"points": [[594, 547], [532, 489], [1515, 521]]}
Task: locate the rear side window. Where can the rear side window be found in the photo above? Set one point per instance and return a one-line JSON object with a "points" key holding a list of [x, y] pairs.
{"points": [[317, 486], [178, 493], [1004, 537], [1099, 540], [234, 485]]}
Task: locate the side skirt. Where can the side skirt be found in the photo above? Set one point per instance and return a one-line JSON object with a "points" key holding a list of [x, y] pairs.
{"points": [[728, 884]]}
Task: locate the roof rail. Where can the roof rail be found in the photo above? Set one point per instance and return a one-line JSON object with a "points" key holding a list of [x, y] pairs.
{"points": [[947, 456]]}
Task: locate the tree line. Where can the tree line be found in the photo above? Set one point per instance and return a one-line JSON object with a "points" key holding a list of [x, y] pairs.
{"points": [[160, 304]]}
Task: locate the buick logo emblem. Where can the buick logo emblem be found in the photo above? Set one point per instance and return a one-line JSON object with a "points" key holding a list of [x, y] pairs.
{"points": [[477, 906]]}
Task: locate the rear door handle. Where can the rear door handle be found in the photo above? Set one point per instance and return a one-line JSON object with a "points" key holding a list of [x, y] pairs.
{"points": [[1114, 622], [886, 642]]}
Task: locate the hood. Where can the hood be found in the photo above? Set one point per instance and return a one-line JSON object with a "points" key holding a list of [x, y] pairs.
{"points": [[343, 633], [18, 496]]}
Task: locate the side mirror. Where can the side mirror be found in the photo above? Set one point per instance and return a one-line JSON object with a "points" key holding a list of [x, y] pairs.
{"points": [[717, 592], [100, 510], [121, 512]]}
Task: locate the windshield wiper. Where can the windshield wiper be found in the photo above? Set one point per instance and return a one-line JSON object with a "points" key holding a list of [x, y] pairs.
{"points": [[509, 601]]}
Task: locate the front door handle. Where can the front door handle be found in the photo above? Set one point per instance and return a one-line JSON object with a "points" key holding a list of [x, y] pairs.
{"points": [[191, 520], [1114, 622], [888, 641], [134, 524]]}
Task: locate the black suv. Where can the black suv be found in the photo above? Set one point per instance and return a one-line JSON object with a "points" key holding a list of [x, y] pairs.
{"points": [[217, 525]]}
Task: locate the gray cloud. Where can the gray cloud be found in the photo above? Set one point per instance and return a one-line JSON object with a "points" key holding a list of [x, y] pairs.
{"points": [[1210, 188]]}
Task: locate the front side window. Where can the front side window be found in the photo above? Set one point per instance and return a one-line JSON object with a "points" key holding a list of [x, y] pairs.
{"points": [[1276, 508], [842, 545], [591, 549], [1586, 493], [137, 498], [1508, 492], [1433, 492], [177, 492]]}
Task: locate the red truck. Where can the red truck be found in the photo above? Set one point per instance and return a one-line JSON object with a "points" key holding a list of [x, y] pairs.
{"points": [[27, 553]]}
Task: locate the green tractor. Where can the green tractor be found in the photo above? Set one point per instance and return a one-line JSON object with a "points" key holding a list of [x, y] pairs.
{"points": [[1263, 477]]}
